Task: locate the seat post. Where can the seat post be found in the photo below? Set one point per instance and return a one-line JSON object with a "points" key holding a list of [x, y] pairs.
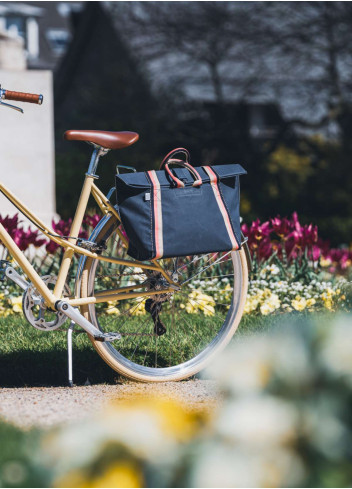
{"points": [[97, 153]]}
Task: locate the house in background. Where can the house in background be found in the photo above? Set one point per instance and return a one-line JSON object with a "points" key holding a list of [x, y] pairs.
{"points": [[33, 38], [44, 27], [100, 85]]}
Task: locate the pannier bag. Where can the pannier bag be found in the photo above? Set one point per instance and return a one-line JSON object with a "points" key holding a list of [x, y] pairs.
{"points": [[180, 211]]}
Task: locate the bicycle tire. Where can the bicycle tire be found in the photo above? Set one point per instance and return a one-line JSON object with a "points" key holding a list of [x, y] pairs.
{"points": [[141, 373]]}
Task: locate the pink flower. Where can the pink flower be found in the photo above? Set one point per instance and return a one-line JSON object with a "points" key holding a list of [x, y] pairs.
{"points": [[340, 258], [315, 253], [258, 238], [283, 234], [10, 224], [91, 220], [22, 238], [282, 227]]}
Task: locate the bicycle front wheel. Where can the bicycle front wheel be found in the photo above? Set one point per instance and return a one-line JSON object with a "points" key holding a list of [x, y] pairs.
{"points": [[165, 337]]}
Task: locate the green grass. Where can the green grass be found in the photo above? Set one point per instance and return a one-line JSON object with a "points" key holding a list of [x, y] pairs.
{"points": [[29, 357]]}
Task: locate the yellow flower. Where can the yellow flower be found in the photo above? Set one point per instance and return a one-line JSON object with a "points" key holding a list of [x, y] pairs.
{"points": [[175, 420], [197, 301], [138, 310], [270, 304], [251, 304], [325, 262], [267, 300], [327, 297], [310, 302], [113, 310], [267, 308], [73, 478], [16, 303], [124, 474], [299, 303], [4, 311]]}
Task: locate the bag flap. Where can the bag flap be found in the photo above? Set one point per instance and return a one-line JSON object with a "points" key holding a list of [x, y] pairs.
{"points": [[140, 180]]}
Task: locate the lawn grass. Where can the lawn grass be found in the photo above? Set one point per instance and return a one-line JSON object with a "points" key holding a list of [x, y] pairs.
{"points": [[29, 357]]}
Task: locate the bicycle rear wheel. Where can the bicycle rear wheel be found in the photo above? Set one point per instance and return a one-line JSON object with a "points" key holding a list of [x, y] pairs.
{"points": [[170, 336]]}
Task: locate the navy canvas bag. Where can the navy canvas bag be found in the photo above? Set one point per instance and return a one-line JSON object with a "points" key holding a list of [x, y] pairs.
{"points": [[180, 211]]}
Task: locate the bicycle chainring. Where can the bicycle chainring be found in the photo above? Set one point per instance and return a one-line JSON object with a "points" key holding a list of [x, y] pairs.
{"points": [[35, 310]]}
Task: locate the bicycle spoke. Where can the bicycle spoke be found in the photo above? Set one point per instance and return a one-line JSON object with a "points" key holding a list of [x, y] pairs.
{"points": [[187, 332], [206, 268]]}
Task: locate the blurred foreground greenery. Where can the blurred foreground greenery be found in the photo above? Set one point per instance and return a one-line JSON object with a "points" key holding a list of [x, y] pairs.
{"points": [[285, 422]]}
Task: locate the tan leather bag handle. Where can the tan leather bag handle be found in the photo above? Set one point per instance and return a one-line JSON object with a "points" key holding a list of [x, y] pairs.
{"points": [[179, 184]]}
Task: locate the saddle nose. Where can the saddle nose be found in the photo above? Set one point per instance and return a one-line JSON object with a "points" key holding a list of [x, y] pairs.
{"points": [[105, 139]]}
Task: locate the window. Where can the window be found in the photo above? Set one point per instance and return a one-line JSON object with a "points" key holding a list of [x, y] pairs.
{"points": [[58, 40], [15, 25]]}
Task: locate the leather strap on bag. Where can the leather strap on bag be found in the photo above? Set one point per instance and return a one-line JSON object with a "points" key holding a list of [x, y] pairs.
{"points": [[169, 159], [173, 153], [179, 184]]}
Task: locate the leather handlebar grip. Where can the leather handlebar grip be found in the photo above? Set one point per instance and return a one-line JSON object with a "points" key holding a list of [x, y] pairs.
{"points": [[23, 97]]}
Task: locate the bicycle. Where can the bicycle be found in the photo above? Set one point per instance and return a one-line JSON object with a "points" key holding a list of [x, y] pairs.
{"points": [[173, 314]]}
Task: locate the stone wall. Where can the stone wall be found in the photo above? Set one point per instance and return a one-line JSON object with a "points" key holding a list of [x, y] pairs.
{"points": [[12, 54]]}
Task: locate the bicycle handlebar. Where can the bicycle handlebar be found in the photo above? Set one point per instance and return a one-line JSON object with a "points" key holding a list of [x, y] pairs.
{"points": [[21, 96]]}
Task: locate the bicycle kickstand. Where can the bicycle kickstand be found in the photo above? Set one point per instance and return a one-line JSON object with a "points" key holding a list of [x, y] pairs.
{"points": [[70, 353]]}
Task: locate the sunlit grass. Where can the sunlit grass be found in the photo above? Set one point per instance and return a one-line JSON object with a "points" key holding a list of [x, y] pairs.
{"points": [[29, 357]]}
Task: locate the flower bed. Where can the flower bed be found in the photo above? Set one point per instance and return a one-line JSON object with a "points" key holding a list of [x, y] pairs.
{"points": [[293, 269]]}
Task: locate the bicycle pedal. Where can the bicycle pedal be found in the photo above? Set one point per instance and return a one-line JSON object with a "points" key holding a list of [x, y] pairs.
{"points": [[105, 337]]}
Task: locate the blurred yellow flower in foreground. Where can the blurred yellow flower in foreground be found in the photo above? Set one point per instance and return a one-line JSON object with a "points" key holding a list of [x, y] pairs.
{"points": [[174, 420], [260, 435], [120, 475], [124, 474], [110, 449]]}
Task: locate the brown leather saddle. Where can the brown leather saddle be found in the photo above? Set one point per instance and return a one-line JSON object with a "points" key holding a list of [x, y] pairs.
{"points": [[105, 139]]}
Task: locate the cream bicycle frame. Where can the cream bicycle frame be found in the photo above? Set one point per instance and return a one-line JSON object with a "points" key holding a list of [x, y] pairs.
{"points": [[51, 297]]}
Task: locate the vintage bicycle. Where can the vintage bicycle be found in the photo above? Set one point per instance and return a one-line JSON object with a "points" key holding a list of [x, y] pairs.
{"points": [[199, 299]]}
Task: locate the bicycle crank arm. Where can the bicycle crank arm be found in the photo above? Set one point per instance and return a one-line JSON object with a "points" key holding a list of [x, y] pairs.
{"points": [[8, 271], [76, 317]]}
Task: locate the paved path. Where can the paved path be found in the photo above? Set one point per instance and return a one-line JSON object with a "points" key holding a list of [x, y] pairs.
{"points": [[48, 406]]}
